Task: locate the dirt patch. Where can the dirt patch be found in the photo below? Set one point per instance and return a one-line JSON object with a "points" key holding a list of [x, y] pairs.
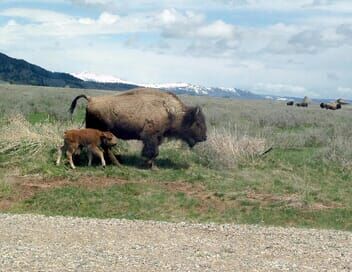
{"points": [[198, 191], [292, 200], [18, 192], [26, 187], [322, 206], [5, 204]]}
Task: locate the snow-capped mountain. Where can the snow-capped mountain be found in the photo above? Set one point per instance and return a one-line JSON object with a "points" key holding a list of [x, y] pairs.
{"points": [[88, 76], [178, 88], [213, 91]]}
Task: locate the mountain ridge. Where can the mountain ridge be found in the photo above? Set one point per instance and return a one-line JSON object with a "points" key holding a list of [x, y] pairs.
{"points": [[178, 87], [19, 71]]}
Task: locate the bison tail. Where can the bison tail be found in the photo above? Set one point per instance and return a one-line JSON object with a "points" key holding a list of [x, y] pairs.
{"points": [[74, 102]]}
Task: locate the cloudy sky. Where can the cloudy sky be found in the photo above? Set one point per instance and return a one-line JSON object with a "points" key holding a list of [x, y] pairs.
{"points": [[283, 47]]}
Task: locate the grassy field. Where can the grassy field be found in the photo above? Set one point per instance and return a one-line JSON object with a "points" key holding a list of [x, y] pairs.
{"points": [[305, 180]]}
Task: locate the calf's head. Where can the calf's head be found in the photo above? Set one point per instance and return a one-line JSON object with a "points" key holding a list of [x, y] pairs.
{"points": [[108, 139]]}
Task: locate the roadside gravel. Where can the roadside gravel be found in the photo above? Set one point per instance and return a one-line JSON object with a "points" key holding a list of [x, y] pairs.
{"points": [[39, 243]]}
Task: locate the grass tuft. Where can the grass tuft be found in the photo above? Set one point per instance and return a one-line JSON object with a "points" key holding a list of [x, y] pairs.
{"points": [[226, 149]]}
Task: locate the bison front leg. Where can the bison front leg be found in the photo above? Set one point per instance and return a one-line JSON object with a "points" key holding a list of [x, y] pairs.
{"points": [[111, 156], [150, 151]]}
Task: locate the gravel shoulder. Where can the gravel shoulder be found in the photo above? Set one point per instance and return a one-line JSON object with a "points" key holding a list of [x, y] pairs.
{"points": [[39, 243]]}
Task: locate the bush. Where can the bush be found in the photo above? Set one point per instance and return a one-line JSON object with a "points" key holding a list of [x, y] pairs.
{"points": [[225, 148]]}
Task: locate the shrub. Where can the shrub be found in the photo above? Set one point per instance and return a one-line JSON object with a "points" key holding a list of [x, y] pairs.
{"points": [[225, 148]]}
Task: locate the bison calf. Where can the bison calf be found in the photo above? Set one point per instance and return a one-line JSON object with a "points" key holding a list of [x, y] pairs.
{"points": [[92, 139]]}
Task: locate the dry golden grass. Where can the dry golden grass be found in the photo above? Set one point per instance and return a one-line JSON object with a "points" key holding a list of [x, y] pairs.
{"points": [[228, 148], [20, 140]]}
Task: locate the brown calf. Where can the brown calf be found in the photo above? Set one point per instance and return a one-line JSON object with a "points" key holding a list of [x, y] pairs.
{"points": [[92, 139]]}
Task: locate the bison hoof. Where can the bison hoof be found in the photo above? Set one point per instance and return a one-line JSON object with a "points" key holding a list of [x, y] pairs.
{"points": [[154, 167], [151, 165], [116, 163]]}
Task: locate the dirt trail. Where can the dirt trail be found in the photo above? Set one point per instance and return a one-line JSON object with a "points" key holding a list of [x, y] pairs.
{"points": [[38, 243]]}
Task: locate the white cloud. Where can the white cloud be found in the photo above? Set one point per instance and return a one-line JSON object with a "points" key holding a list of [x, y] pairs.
{"points": [[107, 19], [176, 24], [344, 92], [37, 15], [283, 89], [289, 5], [48, 23], [345, 89], [217, 30], [103, 4], [303, 55]]}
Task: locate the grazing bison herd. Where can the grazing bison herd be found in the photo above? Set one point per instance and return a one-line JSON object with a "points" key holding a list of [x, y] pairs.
{"points": [[144, 114], [329, 106]]}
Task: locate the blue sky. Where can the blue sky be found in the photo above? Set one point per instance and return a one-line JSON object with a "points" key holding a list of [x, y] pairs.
{"points": [[281, 47]]}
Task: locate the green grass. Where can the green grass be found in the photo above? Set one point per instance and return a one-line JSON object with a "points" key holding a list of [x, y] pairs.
{"points": [[131, 201], [152, 202], [306, 180], [5, 190]]}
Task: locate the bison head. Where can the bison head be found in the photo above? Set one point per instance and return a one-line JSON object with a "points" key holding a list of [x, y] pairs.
{"points": [[194, 128]]}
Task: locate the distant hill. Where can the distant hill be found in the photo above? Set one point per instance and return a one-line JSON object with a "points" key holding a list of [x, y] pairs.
{"points": [[18, 71]]}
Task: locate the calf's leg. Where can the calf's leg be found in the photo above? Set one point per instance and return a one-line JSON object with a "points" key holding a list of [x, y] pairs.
{"points": [[90, 157], [60, 150], [98, 153], [69, 158]]}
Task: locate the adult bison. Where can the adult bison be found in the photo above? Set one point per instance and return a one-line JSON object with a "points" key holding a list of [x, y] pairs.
{"points": [[302, 104], [331, 106], [145, 114]]}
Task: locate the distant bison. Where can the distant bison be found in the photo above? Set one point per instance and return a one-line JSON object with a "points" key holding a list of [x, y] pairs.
{"points": [[290, 103], [303, 104], [145, 114], [331, 106]]}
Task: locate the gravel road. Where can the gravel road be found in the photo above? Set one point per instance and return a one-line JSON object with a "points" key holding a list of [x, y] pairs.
{"points": [[38, 243]]}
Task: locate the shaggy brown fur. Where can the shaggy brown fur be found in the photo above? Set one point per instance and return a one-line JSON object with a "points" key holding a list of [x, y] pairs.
{"points": [[332, 106], [145, 114], [92, 139]]}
